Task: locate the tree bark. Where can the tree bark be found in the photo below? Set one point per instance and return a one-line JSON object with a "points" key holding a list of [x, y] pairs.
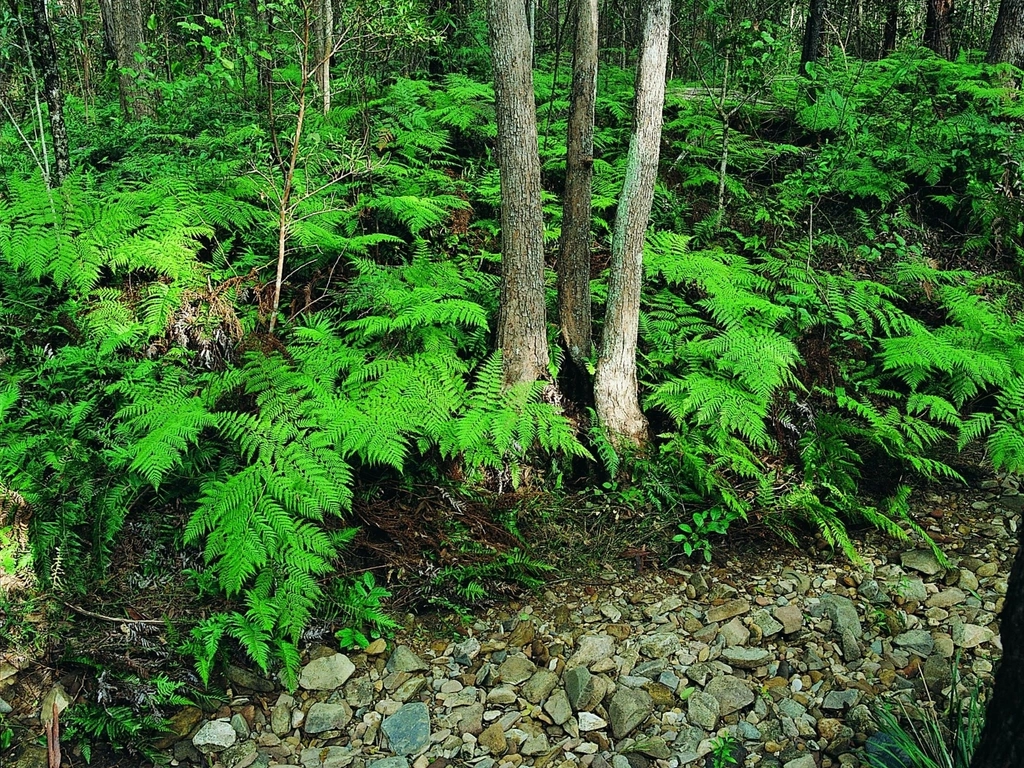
{"points": [[44, 53], [891, 29], [1007, 43], [1002, 740], [812, 35], [616, 397], [938, 27], [574, 261], [123, 20], [324, 34], [522, 321]]}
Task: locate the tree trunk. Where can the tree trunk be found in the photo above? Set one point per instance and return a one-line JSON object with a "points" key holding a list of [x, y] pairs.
{"points": [[44, 54], [892, 18], [615, 387], [574, 260], [938, 34], [1007, 44], [522, 321], [1002, 741], [812, 35], [324, 33], [123, 21]]}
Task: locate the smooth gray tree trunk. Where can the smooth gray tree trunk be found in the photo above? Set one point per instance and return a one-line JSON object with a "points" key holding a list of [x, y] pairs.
{"points": [[616, 397], [522, 320], [574, 316]]}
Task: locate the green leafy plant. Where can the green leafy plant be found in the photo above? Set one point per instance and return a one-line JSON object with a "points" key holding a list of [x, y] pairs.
{"points": [[360, 604]]}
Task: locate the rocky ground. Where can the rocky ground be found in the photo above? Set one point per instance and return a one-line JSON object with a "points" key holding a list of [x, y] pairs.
{"points": [[781, 664]]}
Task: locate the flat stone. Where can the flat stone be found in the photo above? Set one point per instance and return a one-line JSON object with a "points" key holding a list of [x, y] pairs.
{"points": [[396, 761], [214, 736], [244, 678], [502, 694], [404, 660], [734, 633], [591, 649], [539, 686], [732, 693], [408, 730], [326, 757], [180, 725], [516, 669], [557, 706], [628, 709], [659, 645], [918, 641], [727, 610], [588, 721], [536, 744], [746, 658], [652, 746], [281, 715], [845, 623], [768, 625], [971, 635], [988, 569], [841, 699], [922, 561], [791, 617], [804, 761], [521, 634], [581, 689], [327, 717], [703, 710], [327, 673], [359, 692], [241, 755], [464, 652], [946, 598]]}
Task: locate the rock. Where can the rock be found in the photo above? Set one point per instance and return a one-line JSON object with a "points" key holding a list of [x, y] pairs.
{"points": [[921, 560], [746, 658], [841, 699], [359, 692], [732, 693], [536, 744], [281, 715], [582, 689], [180, 725], [522, 634], [516, 669], [884, 752], [727, 610], [918, 641], [652, 746], [734, 633], [936, 672], [404, 660], [5, 708], [241, 726], [326, 757], [464, 652], [845, 623], [591, 649], [32, 756], [791, 617], [408, 730], [327, 717], [768, 625], [493, 739], [804, 761], [946, 598], [628, 709], [558, 707], [703, 710], [241, 755], [968, 581], [588, 721], [327, 673], [503, 694], [377, 647], [389, 762], [971, 635], [214, 736], [659, 645], [246, 679], [988, 569], [539, 686]]}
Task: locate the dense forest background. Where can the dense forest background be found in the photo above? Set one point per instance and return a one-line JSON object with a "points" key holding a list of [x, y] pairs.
{"points": [[287, 284]]}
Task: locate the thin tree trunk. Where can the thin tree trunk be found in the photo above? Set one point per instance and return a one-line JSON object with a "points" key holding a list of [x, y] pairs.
{"points": [[1002, 741], [574, 261], [1007, 43], [938, 27], [616, 395], [892, 18], [812, 35], [45, 55], [324, 23], [123, 21], [522, 321]]}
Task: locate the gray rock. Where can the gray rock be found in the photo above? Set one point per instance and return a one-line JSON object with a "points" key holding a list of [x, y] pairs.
{"points": [[921, 560], [214, 736], [845, 623], [746, 658], [464, 652], [240, 755], [516, 669], [591, 649], [327, 717], [946, 598], [727, 610], [734, 633], [804, 761], [732, 693], [240, 725], [628, 709], [557, 706], [936, 672], [652, 746], [540, 684], [389, 762], [408, 730], [703, 710], [536, 744], [5, 708], [841, 699], [326, 757], [791, 617], [650, 669], [970, 635], [502, 694], [917, 641], [404, 660], [659, 645], [582, 689], [792, 709], [359, 692], [246, 679], [327, 673], [588, 721], [281, 715], [769, 626]]}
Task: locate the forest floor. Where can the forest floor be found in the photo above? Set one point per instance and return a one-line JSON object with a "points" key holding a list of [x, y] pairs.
{"points": [[631, 657]]}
